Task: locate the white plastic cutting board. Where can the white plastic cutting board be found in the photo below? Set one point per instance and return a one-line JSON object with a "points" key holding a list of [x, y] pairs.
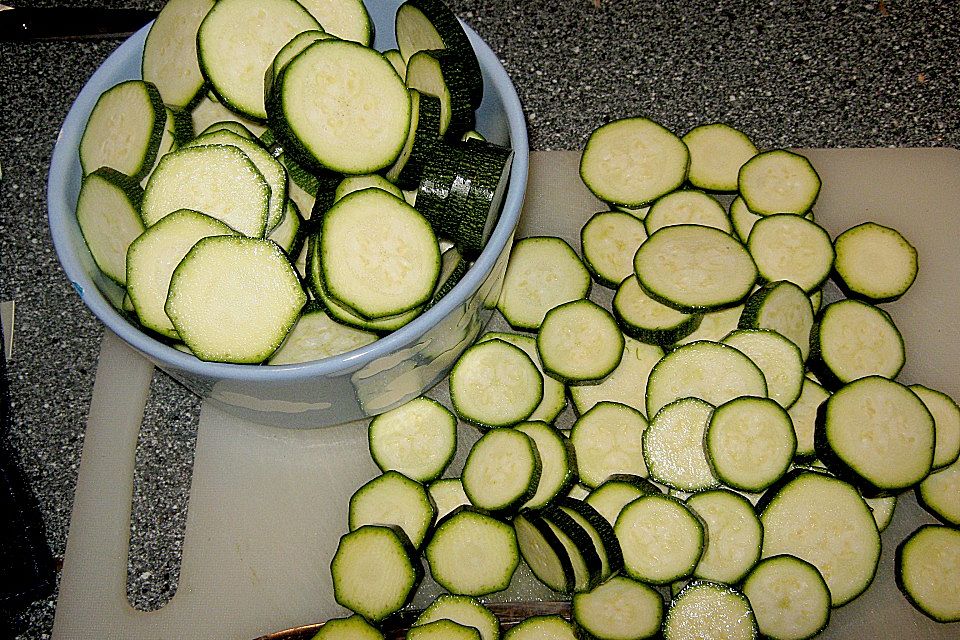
{"points": [[267, 505]]}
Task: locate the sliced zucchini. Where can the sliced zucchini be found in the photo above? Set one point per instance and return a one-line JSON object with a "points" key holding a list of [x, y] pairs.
{"points": [[551, 626], [235, 48], [633, 161], [928, 571], [307, 107], [661, 538], [288, 234], [473, 554], [742, 218], [705, 609], [874, 262], [558, 463], [619, 609], [418, 439], [750, 443], [853, 339], [108, 212], [194, 178], [710, 371], [946, 416], [693, 268], [717, 151], [502, 470], [365, 181], [345, 19], [803, 415], [495, 384], [462, 610], [714, 326], [316, 336], [290, 51], [543, 552], [578, 545], [939, 493], [209, 110], [374, 550], [789, 598], [153, 257], [554, 392], [882, 509], [396, 59], [170, 52], [443, 630], [354, 627], [124, 130], [543, 273], [778, 358], [735, 535], [215, 304], [600, 531], [877, 434], [789, 247], [447, 494], [783, 307], [441, 73], [423, 134], [687, 206], [393, 499], [608, 439], [579, 342], [673, 446], [627, 383], [616, 492], [824, 521], [778, 181], [647, 320], [608, 241], [378, 255]]}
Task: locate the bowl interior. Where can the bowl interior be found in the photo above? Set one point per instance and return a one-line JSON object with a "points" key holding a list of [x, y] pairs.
{"points": [[499, 118]]}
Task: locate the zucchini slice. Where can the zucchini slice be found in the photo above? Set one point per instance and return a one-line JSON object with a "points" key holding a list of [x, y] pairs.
{"points": [[789, 598], [600, 531], [939, 494], [354, 627], [501, 471], [558, 463], [779, 359], [878, 434], [874, 262], [395, 500], [717, 151], [288, 234], [608, 242], [647, 320], [423, 134], [824, 521], [627, 383], [882, 509], [443, 630], [778, 181], [578, 545], [554, 392], [687, 206], [616, 492], [662, 539], [543, 552], [789, 247], [462, 610], [365, 181], [345, 19], [694, 268], [290, 51], [714, 326], [803, 415], [608, 439], [619, 609], [927, 570], [471, 553], [783, 307], [946, 418], [579, 342], [108, 212], [553, 626], [316, 336], [495, 384], [418, 439], [447, 494], [633, 161], [170, 52], [735, 535], [441, 73], [673, 446], [705, 609], [215, 304], [375, 550]]}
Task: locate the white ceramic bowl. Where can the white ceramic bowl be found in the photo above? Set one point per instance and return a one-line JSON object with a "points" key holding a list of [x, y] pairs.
{"points": [[352, 386]]}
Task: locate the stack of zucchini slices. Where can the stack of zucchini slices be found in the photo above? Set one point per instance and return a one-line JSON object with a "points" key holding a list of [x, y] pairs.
{"points": [[269, 148], [736, 443]]}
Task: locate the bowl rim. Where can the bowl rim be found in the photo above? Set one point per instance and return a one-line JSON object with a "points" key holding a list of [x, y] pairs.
{"points": [[67, 143]]}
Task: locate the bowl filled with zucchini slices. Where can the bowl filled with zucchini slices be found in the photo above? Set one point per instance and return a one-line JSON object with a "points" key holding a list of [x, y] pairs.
{"points": [[302, 214]]}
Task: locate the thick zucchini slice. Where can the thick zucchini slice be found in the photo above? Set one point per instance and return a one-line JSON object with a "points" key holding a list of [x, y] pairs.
{"points": [[874, 262], [735, 535], [878, 434], [215, 304], [710, 371], [502, 470], [543, 272], [418, 439], [852, 340], [789, 598], [928, 571], [627, 383], [170, 52], [633, 161], [395, 500], [750, 443], [608, 439], [441, 73], [579, 342], [662, 539], [108, 212], [693, 268], [687, 206], [705, 609], [374, 550], [647, 320], [778, 181], [124, 130], [608, 241], [316, 336], [673, 446], [789, 247], [378, 255], [471, 553], [717, 151], [946, 417], [238, 40], [824, 521], [462, 610], [495, 384], [619, 609]]}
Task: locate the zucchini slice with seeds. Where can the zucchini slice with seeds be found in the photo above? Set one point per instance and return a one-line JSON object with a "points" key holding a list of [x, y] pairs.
{"points": [[608, 242], [735, 535], [393, 499], [108, 212], [619, 609], [946, 417], [554, 392], [345, 19], [927, 570], [502, 470], [170, 53], [608, 439], [418, 439], [647, 320], [662, 539], [874, 262], [495, 384], [706, 609], [779, 359], [558, 462], [616, 492], [673, 446], [789, 247], [717, 151], [579, 342], [778, 181], [687, 206], [782, 307], [789, 598]]}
